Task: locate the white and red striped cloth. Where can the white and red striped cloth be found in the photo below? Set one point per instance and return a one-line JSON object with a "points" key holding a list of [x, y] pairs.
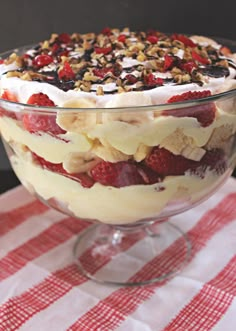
{"points": [[42, 290]]}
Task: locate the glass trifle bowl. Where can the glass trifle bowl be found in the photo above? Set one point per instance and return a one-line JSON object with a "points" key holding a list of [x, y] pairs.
{"points": [[120, 160]]}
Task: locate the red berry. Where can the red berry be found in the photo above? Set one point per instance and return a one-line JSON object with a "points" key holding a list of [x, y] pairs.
{"points": [[1, 61], [55, 48], [205, 113], [215, 159], [103, 50], [7, 95], [190, 96], [225, 51], [10, 97], [149, 176], [188, 66], [185, 40], [199, 58], [101, 72], [40, 99], [151, 80], [152, 39], [42, 60], [64, 38], [118, 174], [131, 79], [82, 178], [34, 122], [66, 73], [169, 62], [106, 31], [122, 38], [167, 164]]}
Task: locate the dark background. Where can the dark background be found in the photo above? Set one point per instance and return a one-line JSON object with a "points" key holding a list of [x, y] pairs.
{"points": [[27, 21]]}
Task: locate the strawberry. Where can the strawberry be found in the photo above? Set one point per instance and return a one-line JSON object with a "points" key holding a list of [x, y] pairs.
{"points": [[106, 31], [82, 178], [149, 176], [66, 73], [131, 79], [190, 96], [40, 99], [205, 113], [185, 40], [122, 38], [42, 60], [34, 122], [151, 81], [1, 61], [103, 50], [101, 72], [188, 66], [169, 62], [118, 174], [215, 159], [197, 57], [167, 164], [152, 39], [64, 38], [7, 95]]}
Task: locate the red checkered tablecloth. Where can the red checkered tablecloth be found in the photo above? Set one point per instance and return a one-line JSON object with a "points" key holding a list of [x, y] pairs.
{"points": [[41, 288]]}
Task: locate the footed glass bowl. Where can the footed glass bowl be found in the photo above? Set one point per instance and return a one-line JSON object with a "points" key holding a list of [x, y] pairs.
{"points": [[125, 169]]}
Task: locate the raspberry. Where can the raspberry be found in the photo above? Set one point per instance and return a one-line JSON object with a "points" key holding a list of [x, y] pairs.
{"points": [[190, 96], [205, 113], [131, 79], [118, 174], [42, 60], [169, 62], [103, 50], [101, 72], [1, 61], [188, 66], [34, 122], [199, 58], [152, 39], [185, 40], [122, 38], [66, 73], [151, 80], [167, 164], [82, 178], [64, 38]]}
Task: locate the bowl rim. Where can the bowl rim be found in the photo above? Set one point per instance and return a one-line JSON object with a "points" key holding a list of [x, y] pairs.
{"points": [[155, 107]]}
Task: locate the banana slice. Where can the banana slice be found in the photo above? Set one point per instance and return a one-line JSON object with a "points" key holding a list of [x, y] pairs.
{"points": [[194, 154], [109, 153], [131, 99], [76, 121], [176, 142], [80, 162], [142, 152]]}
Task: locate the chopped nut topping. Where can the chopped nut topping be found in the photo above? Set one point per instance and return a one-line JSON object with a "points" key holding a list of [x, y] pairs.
{"points": [[78, 61]]}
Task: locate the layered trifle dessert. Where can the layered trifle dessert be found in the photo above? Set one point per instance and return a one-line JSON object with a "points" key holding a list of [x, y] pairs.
{"points": [[120, 126]]}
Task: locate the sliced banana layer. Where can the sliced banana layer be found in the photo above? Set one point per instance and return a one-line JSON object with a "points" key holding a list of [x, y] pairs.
{"points": [[80, 162], [108, 153], [77, 121]]}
